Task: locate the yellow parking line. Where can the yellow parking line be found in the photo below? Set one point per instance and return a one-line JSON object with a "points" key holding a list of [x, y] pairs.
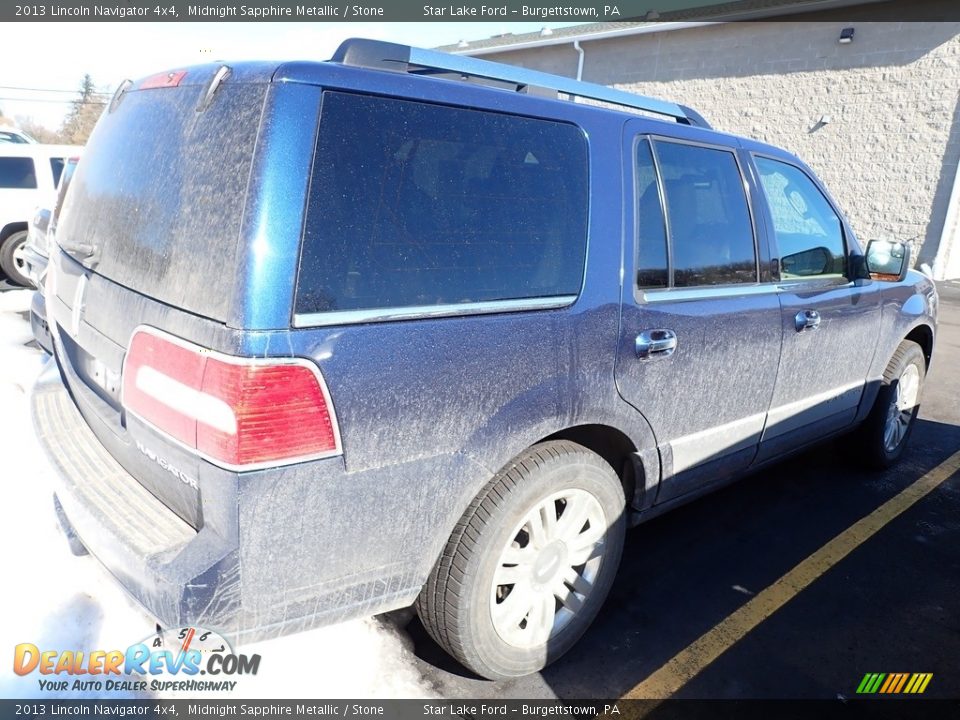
{"points": [[693, 659]]}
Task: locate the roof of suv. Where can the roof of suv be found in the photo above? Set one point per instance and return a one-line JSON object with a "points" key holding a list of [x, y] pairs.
{"points": [[389, 59]]}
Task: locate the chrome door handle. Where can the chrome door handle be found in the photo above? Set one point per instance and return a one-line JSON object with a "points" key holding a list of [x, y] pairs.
{"points": [[807, 320], [652, 344]]}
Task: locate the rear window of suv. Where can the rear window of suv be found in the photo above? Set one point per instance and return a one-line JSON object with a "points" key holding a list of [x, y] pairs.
{"points": [[414, 205], [17, 173], [161, 190]]}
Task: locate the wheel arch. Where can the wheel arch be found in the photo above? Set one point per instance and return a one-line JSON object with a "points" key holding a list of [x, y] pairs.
{"points": [[614, 446], [11, 228], [922, 335]]}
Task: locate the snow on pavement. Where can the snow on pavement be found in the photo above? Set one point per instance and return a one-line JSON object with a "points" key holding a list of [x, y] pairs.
{"points": [[60, 602]]}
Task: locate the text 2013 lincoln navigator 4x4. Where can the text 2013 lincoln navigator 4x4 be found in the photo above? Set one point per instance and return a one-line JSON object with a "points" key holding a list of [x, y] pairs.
{"points": [[334, 338]]}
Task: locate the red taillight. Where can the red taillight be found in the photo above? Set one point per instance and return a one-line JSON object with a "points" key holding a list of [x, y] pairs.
{"points": [[163, 80], [238, 412]]}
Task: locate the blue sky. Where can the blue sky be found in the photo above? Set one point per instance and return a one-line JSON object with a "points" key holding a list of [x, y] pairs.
{"points": [[54, 56]]}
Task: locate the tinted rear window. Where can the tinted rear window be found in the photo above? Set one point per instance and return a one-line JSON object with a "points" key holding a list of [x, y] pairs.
{"points": [[17, 173], [413, 205], [160, 193]]}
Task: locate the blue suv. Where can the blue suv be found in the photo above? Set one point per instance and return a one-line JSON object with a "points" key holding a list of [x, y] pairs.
{"points": [[335, 338]]}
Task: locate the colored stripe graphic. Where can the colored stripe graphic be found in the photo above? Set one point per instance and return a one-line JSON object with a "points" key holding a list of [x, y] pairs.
{"points": [[894, 683]]}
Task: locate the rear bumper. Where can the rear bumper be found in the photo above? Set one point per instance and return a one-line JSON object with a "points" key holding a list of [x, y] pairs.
{"points": [[306, 560], [180, 575]]}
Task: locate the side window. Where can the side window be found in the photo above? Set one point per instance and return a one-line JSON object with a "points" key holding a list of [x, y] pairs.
{"points": [[711, 235], [651, 232], [17, 173], [56, 165], [414, 205], [808, 232]]}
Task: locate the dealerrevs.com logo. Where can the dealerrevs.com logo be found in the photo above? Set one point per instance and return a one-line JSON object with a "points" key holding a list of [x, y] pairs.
{"points": [[168, 661]]}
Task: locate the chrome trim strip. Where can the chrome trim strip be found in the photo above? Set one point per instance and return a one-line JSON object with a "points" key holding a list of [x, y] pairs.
{"points": [[813, 408], [354, 317], [715, 442], [815, 282], [710, 293]]}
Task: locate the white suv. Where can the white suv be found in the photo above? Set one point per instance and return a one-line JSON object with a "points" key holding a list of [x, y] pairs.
{"points": [[29, 174]]}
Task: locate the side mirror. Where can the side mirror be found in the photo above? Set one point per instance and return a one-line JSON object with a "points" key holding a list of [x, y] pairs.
{"points": [[887, 260]]}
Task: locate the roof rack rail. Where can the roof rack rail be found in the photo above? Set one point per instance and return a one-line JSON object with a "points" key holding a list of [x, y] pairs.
{"points": [[380, 55]]}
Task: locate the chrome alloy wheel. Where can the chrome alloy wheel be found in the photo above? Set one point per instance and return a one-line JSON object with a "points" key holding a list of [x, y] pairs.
{"points": [[548, 568], [20, 257], [900, 412]]}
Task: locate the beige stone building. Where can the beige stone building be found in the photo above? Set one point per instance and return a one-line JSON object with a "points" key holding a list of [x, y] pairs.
{"points": [[877, 117]]}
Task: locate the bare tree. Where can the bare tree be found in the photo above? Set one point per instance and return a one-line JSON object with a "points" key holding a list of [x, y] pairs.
{"points": [[39, 132], [83, 114]]}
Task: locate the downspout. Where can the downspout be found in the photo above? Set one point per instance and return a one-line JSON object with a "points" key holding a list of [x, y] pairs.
{"points": [[576, 46], [946, 266]]}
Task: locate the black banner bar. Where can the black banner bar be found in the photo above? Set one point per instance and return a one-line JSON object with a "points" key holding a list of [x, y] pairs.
{"points": [[464, 10], [846, 709], [331, 10]]}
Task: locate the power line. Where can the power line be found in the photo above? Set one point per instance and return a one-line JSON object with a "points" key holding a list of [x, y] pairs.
{"points": [[35, 89], [46, 100]]}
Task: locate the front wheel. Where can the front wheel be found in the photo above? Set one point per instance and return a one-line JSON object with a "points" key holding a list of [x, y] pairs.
{"points": [[887, 429], [529, 564]]}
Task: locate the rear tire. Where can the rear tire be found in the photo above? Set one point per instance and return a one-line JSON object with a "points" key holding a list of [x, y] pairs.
{"points": [[887, 429], [529, 564], [11, 258]]}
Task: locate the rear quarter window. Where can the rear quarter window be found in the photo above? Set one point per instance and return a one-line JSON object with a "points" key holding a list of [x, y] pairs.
{"points": [[56, 167], [417, 205]]}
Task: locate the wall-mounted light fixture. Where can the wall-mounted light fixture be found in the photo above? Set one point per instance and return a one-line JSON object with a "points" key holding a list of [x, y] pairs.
{"points": [[846, 36]]}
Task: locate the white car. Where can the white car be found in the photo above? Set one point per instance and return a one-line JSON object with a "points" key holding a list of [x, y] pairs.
{"points": [[29, 174], [12, 135]]}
